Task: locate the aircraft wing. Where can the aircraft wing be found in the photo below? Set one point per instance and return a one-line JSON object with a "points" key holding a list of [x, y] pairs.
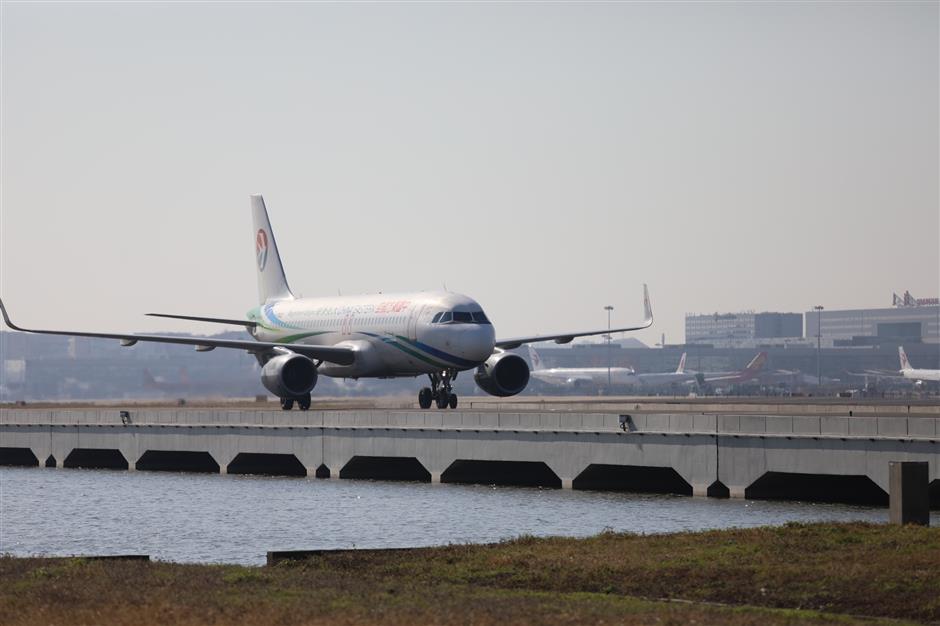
{"points": [[214, 320], [515, 342], [340, 356], [574, 380], [876, 374]]}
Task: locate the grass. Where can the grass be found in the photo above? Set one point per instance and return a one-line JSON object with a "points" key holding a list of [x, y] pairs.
{"points": [[798, 573]]}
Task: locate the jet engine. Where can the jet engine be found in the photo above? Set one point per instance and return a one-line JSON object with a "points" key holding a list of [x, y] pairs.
{"points": [[289, 375], [503, 374]]}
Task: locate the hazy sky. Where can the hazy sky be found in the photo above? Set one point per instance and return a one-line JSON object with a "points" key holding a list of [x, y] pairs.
{"points": [[545, 159]]}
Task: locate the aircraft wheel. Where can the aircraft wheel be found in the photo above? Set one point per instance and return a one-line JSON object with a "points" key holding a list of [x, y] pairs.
{"points": [[424, 398], [304, 403], [442, 399], [452, 401], [287, 404]]}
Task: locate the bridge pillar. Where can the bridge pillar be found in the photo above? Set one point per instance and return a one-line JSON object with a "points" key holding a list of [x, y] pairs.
{"points": [[699, 490], [223, 459], [436, 478], [566, 469], [910, 498], [41, 454], [736, 492]]}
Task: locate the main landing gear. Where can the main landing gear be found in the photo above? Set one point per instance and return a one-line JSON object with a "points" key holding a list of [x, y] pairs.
{"points": [[303, 403], [440, 391]]}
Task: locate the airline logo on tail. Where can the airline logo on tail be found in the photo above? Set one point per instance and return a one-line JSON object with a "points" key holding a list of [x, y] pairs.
{"points": [[261, 248], [905, 364], [757, 363], [534, 357]]}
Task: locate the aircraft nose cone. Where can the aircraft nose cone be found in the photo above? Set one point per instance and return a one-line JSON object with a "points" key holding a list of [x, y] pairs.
{"points": [[480, 342]]}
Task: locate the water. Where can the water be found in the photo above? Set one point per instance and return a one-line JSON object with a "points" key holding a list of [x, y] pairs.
{"points": [[236, 519]]}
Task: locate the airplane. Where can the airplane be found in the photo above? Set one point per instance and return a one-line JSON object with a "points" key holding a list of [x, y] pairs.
{"points": [[907, 371], [659, 379], [915, 374], [577, 377], [750, 372], [295, 340]]}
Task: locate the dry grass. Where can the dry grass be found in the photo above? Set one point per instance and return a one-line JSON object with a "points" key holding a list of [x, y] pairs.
{"points": [[793, 574]]}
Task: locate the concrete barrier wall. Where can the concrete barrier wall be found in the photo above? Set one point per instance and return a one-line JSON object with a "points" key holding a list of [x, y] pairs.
{"points": [[911, 427], [801, 407]]}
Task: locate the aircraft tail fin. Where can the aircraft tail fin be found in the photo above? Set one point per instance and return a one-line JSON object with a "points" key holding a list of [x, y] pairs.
{"points": [[905, 364], [535, 358], [272, 284], [757, 363], [681, 368]]}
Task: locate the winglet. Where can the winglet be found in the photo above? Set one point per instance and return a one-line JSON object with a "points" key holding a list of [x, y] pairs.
{"points": [[6, 317]]}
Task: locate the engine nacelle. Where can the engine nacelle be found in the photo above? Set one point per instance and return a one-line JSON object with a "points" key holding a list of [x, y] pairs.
{"points": [[503, 374], [289, 375]]}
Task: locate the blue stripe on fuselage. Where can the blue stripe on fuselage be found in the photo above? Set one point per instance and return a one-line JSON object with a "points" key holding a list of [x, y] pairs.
{"points": [[441, 354]]}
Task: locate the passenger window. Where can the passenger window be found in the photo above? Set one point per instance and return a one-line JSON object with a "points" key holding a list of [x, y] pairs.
{"points": [[446, 317], [462, 317], [437, 318]]}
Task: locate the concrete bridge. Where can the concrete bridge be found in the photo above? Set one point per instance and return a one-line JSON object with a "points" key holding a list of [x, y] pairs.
{"points": [[810, 457]]}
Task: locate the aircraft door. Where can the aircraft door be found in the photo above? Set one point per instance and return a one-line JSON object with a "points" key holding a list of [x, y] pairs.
{"points": [[413, 318]]}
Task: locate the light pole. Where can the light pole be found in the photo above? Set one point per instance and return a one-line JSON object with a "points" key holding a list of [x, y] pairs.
{"points": [[608, 308], [819, 309]]}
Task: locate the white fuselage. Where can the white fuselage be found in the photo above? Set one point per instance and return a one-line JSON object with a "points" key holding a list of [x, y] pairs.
{"points": [[621, 376], [393, 334], [921, 374], [665, 378], [577, 376]]}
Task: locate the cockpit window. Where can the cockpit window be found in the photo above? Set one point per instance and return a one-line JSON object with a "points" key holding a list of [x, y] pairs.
{"points": [[480, 317], [460, 317]]}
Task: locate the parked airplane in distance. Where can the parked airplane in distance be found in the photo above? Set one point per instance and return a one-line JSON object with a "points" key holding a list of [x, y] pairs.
{"points": [[578, 377], [907, 372], [752, 371], [659, 379], [915, 374], [438, 334]]}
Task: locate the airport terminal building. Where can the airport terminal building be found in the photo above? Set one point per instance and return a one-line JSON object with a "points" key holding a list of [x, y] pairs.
{"points": [[902, 325], [742, 330]]}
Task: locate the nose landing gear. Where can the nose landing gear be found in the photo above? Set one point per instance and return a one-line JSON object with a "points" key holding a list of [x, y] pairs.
{"points": [[440, 392]]}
